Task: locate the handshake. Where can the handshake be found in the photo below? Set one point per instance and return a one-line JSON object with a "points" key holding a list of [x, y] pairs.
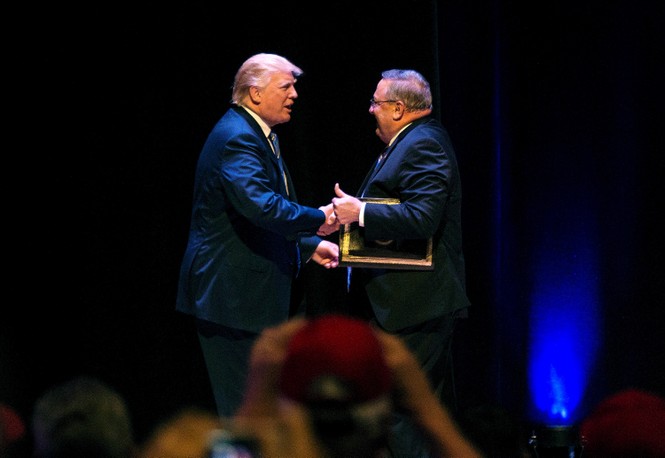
{"points": [[343, 209]]}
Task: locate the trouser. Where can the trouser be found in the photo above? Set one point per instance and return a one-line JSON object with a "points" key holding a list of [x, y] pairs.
{"points": [[226, 354], [431, 343]]}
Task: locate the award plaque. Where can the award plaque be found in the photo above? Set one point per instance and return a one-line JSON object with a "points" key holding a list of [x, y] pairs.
{"points": [[356, 251]]}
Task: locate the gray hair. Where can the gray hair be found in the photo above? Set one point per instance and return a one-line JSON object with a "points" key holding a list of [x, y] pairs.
{"points": [[257, 70], [82, 417], [410, 87]]}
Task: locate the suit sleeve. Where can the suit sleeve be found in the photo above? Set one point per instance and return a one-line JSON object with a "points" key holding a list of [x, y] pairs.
{"points": [[420, 179], [249, 180]]}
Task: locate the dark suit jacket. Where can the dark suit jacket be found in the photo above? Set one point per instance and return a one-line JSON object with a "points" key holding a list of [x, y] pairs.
{"points": [[242, 252], [420, 170]]}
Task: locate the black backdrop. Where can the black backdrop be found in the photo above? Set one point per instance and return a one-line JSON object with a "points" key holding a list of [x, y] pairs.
{"points": [[110, 104]]}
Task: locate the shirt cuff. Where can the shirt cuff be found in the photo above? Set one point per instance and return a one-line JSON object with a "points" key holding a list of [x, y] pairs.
{"points": [[361, 216]]}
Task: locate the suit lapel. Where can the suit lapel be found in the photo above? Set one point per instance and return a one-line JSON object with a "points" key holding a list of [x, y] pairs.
{"points": [[292, 191], [379, 165], [257, 129]]}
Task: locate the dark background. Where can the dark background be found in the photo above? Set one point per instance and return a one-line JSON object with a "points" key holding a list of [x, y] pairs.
{"points": [[109, 105]]}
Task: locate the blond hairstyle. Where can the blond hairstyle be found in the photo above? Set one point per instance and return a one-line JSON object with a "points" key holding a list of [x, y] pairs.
{"points": [[257, 70]]}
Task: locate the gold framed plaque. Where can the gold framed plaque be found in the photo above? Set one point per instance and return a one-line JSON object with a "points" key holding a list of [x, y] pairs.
{"points": [[356, 251]]}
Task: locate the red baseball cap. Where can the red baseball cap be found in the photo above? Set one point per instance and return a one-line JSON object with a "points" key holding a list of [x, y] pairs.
{"points": [[630, 422], [335, 347], [12, 426]]}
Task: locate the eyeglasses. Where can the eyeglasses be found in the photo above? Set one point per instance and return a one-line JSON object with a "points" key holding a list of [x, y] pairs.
{"points": [[374, 103]]}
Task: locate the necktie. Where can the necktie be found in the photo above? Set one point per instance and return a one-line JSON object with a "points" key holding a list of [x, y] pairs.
{"points": [[381, 158], [377, 165], [383, 155], [275, 145]]}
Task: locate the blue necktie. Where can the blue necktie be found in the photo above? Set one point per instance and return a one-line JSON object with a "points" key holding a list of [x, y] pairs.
{"points": [[275, 144], [370, 175], [379, 161]]}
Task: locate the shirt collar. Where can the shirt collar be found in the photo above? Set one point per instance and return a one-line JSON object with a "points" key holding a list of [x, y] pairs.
{"points": [[264, 127], [397, 134]]}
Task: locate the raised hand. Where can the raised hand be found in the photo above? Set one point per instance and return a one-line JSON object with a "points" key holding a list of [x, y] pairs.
{"points": [[346, 207]]}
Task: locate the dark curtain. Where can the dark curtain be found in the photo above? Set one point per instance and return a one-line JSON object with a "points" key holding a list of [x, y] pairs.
{"points": [[555, 113]]}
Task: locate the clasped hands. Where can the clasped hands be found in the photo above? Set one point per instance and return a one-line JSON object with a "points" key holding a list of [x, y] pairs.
{"points": [[343, 209]]}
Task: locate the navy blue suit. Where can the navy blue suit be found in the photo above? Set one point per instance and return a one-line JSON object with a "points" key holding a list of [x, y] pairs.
{"points": [[420, 169], [245, 239]]}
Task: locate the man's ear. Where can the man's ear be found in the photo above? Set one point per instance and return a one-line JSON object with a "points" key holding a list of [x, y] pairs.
{"points": [[398, 111], [255, 94]]}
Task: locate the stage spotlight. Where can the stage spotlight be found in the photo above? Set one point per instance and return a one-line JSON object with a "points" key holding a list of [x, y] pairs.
{"points": [[556, 441]]}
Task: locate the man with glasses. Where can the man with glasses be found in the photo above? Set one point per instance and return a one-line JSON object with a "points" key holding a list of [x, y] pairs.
{"points": [[419, 170]]}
